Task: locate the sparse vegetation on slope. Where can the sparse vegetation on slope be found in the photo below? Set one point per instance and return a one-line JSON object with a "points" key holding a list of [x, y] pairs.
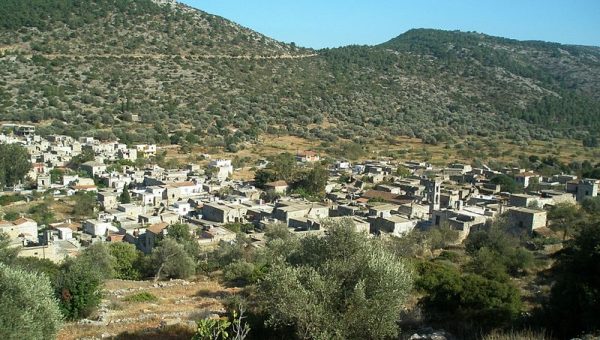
{"points": [[145, 72]]}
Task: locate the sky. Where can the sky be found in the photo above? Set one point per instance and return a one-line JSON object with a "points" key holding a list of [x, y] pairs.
{"points": [[332, 23]]}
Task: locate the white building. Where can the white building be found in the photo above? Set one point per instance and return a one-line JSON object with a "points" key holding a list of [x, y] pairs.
{"points": [[223, 167], [98, 227], [181, 208]]}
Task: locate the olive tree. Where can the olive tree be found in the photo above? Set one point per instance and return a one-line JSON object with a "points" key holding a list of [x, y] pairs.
{"points": [[172, 261], [29, 309], [14, 164], [342, 285]]}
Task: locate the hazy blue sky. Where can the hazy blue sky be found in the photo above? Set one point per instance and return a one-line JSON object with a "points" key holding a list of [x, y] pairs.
{"points": [[330, 23]]}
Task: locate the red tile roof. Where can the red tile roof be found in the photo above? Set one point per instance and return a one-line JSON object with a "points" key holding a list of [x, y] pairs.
{"points": [[182, 184], [116, 237], [84, 187], [277, 184], [20, 221], [157, 228]]}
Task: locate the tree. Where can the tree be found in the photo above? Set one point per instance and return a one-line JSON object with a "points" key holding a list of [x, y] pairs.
{"points": [[42, 213], [78, 284], [222, 328], [315, 181], [170, 260], [283, 167], [125, 197], [14, 164], [574, 303], [7, 253], [403, 171], [29, 309], [85, 204], [39, 266], [442, 237], [86, 155], [352, 151], [11, 215], [56, 175], [591, 205], [270, 196], [212, 329], [468, 298], [277, 231], [497, 249], [99, 257], [564, 216], [263, 176], [332, 287], [506, 183], [181, 233], [126, 261], [78, 289]]}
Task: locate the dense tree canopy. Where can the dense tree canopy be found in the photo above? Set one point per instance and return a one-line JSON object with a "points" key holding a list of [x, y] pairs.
{"points": [[575, 298], [171, 260], [14, 164], [472, 298], [29, 309], [332, 287]]}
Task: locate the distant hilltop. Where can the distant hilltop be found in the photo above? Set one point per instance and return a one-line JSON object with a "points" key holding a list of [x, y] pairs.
{"points": [[93, 67]]}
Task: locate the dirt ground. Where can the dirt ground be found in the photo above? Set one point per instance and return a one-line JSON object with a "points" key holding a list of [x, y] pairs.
{"points": [[179, 303], [403, 148]]}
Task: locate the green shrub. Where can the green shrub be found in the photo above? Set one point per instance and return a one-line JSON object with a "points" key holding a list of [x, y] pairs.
{"points": [[78, 289], [242, 272], [141, 297], [465, 298]]}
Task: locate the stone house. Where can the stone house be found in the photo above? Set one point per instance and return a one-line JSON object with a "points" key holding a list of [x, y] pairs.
{"points": [[223, 168], [279, 187], [98, 227], [177, 191], [108, 200], [461, 220], [181, 208], [146, 150], [93, 168], [587, 188], [153, 232], [43, 182], [307, 156], [224, 213], [527, 219], [285, 212], [526, 178], [394, 225]]}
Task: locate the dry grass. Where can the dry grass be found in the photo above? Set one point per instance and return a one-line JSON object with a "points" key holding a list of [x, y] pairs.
{"points": [[486, 149], [175, 301]]}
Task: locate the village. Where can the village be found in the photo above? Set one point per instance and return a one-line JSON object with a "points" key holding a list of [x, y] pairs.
{"points": [[137, 204]]}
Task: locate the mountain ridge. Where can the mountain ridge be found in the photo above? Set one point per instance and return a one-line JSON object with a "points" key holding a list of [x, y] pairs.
{"points": [[226, 85]]}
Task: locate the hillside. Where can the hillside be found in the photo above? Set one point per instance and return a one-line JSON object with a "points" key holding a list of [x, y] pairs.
{"points": [[146, 71], [175, 303]]}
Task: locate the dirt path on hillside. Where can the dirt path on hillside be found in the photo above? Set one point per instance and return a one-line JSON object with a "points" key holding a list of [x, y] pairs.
{"points": [[155, 56]]}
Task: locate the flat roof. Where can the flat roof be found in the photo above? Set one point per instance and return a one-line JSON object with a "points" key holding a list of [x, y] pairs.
{"points": [[396, 219], [527, 210]]}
